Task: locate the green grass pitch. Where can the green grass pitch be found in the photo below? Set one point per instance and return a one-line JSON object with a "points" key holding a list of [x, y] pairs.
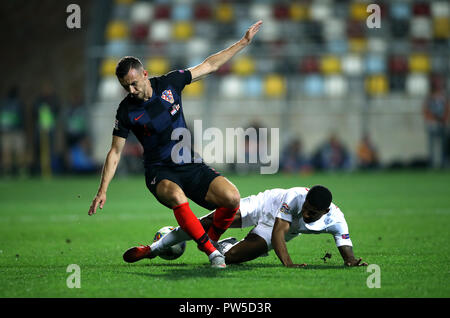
{"points": [[397, 220]]}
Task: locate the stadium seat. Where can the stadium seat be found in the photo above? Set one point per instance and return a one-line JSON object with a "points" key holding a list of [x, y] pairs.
{"points": [[224, 13], [309, 64], [198, 47], [330, 64], [141, 13], [337, 46], [419, 63], [377, 85], [417, 84], [158, 66], [202, 11], [375, 64], [182, 31], [334, 29], [253, 86], [181, 12], [162, 12], [274, 85], [313, 85], [231, 87], [421, 28], [421, 8], [117, 48], [108, 67], [195, 89], [260, 11], [335, 86], [270, 31], [440, 9], [352, 65], [116, 30], [110, 90], [140, 32], [398, 64], [358, 11], [397, 83], [357, 45], [280, 11], [320, 11], [161, 30], [441, 28], [400, 10], [243, 65], [298, 11], [377, 45]]}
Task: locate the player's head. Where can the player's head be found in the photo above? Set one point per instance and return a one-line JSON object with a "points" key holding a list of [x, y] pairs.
{"points": [[132, 76], [317, 203]]}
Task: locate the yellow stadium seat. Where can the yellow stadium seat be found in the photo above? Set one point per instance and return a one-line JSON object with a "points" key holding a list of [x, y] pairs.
{"points": [[224, 12], [195, 89], [357, 45], [124, 1], [330, 64], [419, 63], [158, 66], [441, 28], [243, 66], [274, 85], [182, 30], [298, 12], [116, 30], [377, 85], [358, 11], [108, 67]]}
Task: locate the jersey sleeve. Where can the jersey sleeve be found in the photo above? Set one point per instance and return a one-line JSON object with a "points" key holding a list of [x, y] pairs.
{"points": [[288, 207], [179, 79], [121, 125], [340, 232]]}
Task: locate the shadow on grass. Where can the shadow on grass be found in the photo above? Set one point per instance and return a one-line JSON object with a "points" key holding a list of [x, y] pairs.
{"points": [[188, 271]]}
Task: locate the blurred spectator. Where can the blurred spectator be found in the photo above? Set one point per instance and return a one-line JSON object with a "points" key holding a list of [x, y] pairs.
{"points": [[47, 156], [293, 160], [80, 160], [436, 111], [75, 121], [367, 154], [332, 155], [12, 130]]}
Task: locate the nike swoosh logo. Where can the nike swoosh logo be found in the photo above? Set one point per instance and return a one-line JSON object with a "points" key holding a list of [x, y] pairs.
{"points": [[137, 118]]}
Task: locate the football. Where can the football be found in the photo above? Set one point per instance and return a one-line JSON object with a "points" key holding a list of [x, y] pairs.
{"points": [[172, 252]]}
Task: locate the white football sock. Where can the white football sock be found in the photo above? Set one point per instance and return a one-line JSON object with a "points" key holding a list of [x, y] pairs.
{"points": [[172, 238]]}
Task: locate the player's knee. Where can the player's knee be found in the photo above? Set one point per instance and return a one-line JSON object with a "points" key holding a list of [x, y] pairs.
{"points": [[231, 199], [171, 194]]}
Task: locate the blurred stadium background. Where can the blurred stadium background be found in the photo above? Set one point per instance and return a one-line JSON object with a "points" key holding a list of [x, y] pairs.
{"points": [[344, 96]]}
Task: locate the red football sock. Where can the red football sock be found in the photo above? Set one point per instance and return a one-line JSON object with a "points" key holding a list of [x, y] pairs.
{"points": [[223, 217], [192, 226]]}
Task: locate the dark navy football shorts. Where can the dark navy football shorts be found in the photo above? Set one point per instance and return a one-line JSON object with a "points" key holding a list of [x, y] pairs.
{"points": [[193, 178]]}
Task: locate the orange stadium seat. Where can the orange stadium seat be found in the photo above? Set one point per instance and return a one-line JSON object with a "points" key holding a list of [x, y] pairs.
{"points": [[224, 12], [419, 63], [377, 85], [108, 67], [330, 64], [182, 30], [243, 66], [298, 11], [195, 89]]}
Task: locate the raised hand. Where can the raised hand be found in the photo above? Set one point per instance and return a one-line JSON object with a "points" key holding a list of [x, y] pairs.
{"points": [[252, 31]]}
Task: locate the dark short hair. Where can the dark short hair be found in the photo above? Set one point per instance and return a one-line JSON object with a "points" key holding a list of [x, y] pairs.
{"points": [[319, 197], [125, 64]]}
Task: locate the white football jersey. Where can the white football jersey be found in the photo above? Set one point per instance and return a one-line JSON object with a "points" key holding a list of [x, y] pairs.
{"points": [[286, 204]]}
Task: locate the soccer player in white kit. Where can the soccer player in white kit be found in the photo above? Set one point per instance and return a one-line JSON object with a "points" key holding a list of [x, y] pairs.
{"points": [[277, 216]]}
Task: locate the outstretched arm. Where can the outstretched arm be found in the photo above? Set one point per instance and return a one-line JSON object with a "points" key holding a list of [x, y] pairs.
{"points": [[215, 61], [280, 228], [348, 257], [109, 169]]}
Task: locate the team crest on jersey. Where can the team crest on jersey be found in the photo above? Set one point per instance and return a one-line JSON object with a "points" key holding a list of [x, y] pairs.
{"points": [[174, 109], [345, 236], [285, 208], [167, 96]]}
